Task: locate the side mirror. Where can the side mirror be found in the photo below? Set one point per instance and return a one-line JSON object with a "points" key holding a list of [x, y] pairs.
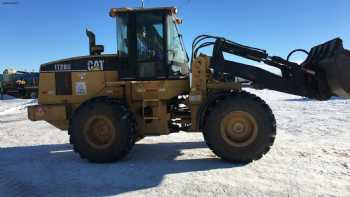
{"points": [[178, 21]]}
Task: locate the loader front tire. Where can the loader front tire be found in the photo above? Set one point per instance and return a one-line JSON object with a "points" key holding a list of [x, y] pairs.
{"points": [[102, 131], [240, 128]]}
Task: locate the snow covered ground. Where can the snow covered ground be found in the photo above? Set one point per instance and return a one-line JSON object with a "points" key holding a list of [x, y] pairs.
{"points": [[310, 157]]}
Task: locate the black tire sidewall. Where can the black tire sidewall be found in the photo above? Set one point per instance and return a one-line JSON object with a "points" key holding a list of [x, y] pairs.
{"points": [[263, 140], [122, 128]]}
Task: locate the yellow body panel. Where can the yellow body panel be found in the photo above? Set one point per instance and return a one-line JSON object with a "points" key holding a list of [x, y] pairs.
{"points": [[163, 90], [154, 95], [200, 76], [148, 100], [137, 94], [95, 83], [47, 112]]}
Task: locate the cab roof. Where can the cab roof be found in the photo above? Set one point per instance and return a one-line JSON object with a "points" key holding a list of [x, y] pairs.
{"points": [[115, 11]]}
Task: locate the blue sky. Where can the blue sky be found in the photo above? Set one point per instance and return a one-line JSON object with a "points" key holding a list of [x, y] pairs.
{"points": [[37, 31]]}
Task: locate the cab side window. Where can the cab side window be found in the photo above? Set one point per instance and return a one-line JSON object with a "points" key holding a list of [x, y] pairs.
{"points": [[122, 35]]}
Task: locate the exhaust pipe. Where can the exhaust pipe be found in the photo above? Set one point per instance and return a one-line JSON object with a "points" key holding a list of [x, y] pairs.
{"points": [[94, 49]]}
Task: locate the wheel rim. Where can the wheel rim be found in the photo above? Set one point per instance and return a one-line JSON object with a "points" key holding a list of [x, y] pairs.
{"points": [[239, 128], [99, 132]]}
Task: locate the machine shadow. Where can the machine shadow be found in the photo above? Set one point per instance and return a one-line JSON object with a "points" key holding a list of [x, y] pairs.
{"points": [[7, 97], [57, 170], [301, 99]]}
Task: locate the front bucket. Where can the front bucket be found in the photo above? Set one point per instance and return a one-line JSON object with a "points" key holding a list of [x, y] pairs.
{"points": [[337, 70], [334, 61]]}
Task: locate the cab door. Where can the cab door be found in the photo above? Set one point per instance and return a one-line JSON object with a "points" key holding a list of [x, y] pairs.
{"points": [[150, 37]]}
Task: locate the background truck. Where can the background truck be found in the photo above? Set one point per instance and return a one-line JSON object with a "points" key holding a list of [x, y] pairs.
{"points": [[20, 84]]}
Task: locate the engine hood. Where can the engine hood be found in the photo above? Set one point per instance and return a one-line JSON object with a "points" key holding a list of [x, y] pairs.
{"points": [[83, 63]]}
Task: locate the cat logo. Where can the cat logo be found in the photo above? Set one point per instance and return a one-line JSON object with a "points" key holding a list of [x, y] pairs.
{"points": [[94, 65]]}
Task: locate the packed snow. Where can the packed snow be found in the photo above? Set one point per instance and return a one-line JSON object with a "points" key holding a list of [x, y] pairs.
{"points": [[310, 157]]}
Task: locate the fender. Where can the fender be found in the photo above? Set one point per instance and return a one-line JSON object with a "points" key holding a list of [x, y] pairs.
{"points": [[210, 101]]}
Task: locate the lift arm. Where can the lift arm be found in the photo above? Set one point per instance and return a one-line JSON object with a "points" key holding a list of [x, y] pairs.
{"points": [[326, 71]]}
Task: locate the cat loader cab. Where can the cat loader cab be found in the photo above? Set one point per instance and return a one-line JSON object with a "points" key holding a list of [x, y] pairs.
{"points": [[150, 44]]}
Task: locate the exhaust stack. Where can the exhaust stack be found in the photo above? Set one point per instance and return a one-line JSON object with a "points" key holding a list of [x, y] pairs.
{"points": [[94, 49]]}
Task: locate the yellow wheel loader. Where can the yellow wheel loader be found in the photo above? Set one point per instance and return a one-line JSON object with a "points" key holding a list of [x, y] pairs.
{"points": [[109, 101]]}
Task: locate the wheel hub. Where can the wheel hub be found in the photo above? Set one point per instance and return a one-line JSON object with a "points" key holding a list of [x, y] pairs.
{"points": [[99, 132], [239, 128]]}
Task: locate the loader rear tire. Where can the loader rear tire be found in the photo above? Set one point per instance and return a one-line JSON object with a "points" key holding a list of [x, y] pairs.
{"points": [[241, 128], [102, 131]]}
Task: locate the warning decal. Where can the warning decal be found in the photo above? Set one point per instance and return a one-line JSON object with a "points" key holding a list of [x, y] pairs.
{"points": [[80, 88]]}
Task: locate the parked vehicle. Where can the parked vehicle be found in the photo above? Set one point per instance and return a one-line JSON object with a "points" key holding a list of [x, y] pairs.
{"points": [[20, 84]]}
